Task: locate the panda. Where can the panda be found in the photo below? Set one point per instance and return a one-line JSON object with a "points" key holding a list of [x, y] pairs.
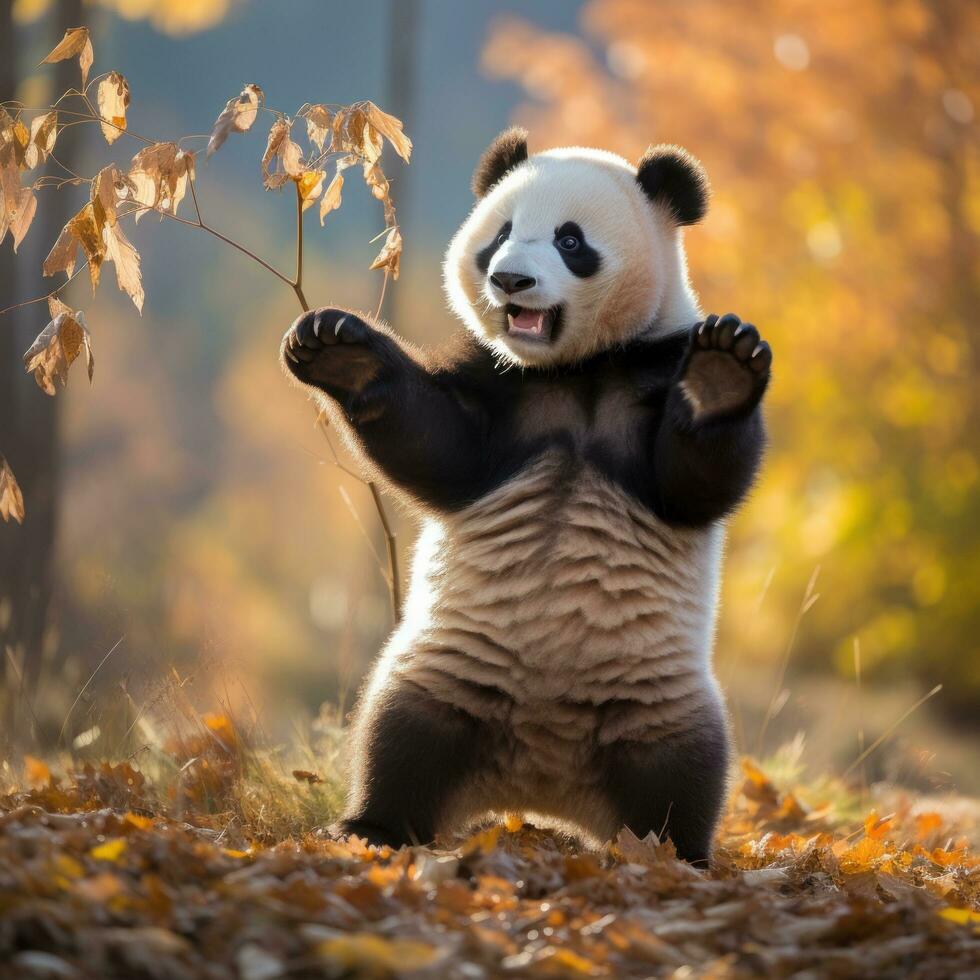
{"points": [[572, 456]]}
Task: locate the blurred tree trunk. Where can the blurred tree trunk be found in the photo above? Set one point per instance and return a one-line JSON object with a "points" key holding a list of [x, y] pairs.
{"points": [[400, 89], [29, 419]]}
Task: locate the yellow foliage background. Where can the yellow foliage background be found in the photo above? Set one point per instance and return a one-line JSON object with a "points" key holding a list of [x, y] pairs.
{"points": [[841, 140]]}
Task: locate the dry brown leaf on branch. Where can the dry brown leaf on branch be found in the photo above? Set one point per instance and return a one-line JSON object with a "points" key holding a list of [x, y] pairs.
{"points": [[56, 306], [389, 258], [97, 230], [122, 253], [83, 229], [375, 179], [75, 42], [109, 189], [280, 147], [11, 499], [237, 116], [390, 127], [14, 139], [310, 185], [18, 217], [44, 133], [352, 134], [113, 102], [17, 204], [331, 196], [56, 348], [319, 123], [8, 128], [160, 174], [359, 129]]}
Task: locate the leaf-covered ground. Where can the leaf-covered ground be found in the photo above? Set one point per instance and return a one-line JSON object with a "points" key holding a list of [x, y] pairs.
{"points": [[104, 873]]}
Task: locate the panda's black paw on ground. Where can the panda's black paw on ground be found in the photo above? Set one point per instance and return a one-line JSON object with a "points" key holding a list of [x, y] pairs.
{"points": [[727, 367], [372, 833], [333, 349]]}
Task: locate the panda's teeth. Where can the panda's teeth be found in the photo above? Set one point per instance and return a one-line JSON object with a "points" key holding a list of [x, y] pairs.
{"points": [[524, 322]]}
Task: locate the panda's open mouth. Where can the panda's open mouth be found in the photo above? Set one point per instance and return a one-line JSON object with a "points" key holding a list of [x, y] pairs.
{"points": [[534, 325]]}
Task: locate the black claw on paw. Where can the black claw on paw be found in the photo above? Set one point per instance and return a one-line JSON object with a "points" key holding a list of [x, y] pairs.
{"points": [[333, 349], [727, 367]]}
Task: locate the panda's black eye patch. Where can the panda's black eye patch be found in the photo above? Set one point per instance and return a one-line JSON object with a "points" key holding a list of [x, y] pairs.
{"points": [[580, 258], [484, 256]]}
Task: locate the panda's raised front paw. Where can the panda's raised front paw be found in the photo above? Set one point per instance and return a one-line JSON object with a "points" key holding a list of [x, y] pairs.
{"points": [[333, 349], [727, 367]]}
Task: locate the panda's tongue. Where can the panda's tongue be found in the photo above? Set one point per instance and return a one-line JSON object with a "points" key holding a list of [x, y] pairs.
{"points": [[527, 321]]}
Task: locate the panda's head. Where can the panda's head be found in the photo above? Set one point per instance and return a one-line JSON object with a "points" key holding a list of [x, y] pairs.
{"points": [[574, 251]]}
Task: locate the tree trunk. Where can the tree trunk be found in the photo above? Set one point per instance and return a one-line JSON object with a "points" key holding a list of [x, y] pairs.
{"points": [[29, 419], [400, 89]]}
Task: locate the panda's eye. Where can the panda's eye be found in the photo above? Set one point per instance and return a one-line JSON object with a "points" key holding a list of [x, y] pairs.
{"points": [[501, 238], [568, 243]]}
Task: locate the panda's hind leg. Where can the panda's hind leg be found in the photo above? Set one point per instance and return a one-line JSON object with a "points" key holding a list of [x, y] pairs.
{"points": [[674, 786], [413, 756]]}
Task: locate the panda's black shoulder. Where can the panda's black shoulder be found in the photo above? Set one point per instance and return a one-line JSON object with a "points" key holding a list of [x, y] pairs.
{"points": [[652, 362], [463, 362]]}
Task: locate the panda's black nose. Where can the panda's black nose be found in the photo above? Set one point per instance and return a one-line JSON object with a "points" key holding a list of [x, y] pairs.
{"points": [[512, 282]]}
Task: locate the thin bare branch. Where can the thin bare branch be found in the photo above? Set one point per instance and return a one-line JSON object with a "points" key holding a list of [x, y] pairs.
{"points": [[197, 206], [211, 231], [391, 543], [393, 577], [54, 292], [381, 298], [298, 281]]}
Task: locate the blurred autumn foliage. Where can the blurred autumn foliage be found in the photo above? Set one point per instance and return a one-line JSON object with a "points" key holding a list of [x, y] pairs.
{"points": [[156, 180], [841, 140], [172, 16]]}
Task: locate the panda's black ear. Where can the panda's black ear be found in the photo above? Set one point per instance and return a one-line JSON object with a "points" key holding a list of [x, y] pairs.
{"points": [[503, 154], [671, 176]]}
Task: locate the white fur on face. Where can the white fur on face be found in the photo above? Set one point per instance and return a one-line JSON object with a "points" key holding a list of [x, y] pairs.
{"points": [[642, 279]]}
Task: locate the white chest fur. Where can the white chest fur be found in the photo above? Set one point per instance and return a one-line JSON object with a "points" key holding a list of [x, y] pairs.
{"points": [[562, 608]]}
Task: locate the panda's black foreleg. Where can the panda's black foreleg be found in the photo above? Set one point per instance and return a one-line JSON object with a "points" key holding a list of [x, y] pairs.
{"points": [[410, 423], [674, 787], [710, 440], [412, 755]]}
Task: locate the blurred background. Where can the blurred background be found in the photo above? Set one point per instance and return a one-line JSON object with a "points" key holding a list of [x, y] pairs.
{"points": [[185, 522]]}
